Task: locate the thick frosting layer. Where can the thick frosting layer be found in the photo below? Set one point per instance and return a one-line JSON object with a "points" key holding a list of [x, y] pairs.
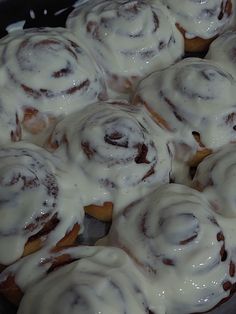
{"points": [[223, 50], [105, 282], [203, 19], [47, 70], [10, 127], [35, 190], [128, 38], [216, 177], [175, 236], [119, 152], [192, 97]]}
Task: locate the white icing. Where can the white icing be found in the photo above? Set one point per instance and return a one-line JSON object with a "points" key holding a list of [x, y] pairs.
{"points": [[193, 95], [106, 281], [216, 177], [46, 69], [127, 38], [15, 26], [203, 19], [33, 185], [174, 235], [223, 51], [117, 150]]}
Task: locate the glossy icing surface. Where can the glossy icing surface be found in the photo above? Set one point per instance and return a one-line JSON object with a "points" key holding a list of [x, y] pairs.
{"points": [[203, 19], [117, 150], [175, 236], [222, 50], [194, 95], [104, 282], [127, 38], [48, 70], [35, 188]]}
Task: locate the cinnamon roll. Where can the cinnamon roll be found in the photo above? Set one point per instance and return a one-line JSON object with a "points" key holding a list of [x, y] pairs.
{"points": [[215, 176], [39, 202], [10, 125], [195, 99], [127, 38], [119, 151], [106, 281], [175, 236], [49, 74], [201, 21], [223, 51]]}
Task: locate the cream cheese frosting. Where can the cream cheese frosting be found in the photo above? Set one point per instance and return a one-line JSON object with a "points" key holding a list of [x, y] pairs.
{"points": [[35, 188], [192, 96], [106, 281], [119, 152], [46, 70], [204, 19], [216, 177], [127, 38], [223, 51], [175, 236]]}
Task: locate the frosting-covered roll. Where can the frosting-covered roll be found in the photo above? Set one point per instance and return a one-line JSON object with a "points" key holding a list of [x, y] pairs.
{"points": [[201, 21], [223, 50], [128, 38], [215, 176], [105, 282], [10, 126], [175, 236], [195, 99], [118, 150], [49, 74], [39, 202]]}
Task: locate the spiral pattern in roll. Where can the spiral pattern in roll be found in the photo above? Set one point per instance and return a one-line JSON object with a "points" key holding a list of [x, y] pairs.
{"points": [[203, 19], [104, 282], [174, 235], [194, 98], [48, 71], [34, 203], [222, 50], [117, 147], [128, 38], [215, 176]]}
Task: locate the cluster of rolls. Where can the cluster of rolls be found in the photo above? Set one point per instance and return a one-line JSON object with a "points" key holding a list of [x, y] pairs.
{"points": [[105, 118]]}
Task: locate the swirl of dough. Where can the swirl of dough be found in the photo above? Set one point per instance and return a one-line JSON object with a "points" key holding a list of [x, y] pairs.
{"points": [[49, 72], [215, 176], [128, 38], [117, 147], [105, 282], [204, 19], [175, 236], [35, 204], [223, 50], [195, 99]]}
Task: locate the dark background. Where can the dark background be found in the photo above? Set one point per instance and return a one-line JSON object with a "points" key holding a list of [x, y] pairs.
{"points": [[13, 11]]}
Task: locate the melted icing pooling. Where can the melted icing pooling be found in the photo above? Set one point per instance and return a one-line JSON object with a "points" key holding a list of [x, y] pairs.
{"points": [[117, 149], [193, 95], [31, 198], [179, 242], [128, 38]]}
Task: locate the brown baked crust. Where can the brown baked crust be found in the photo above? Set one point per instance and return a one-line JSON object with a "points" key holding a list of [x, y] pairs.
{"points": [[100, 212]]}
